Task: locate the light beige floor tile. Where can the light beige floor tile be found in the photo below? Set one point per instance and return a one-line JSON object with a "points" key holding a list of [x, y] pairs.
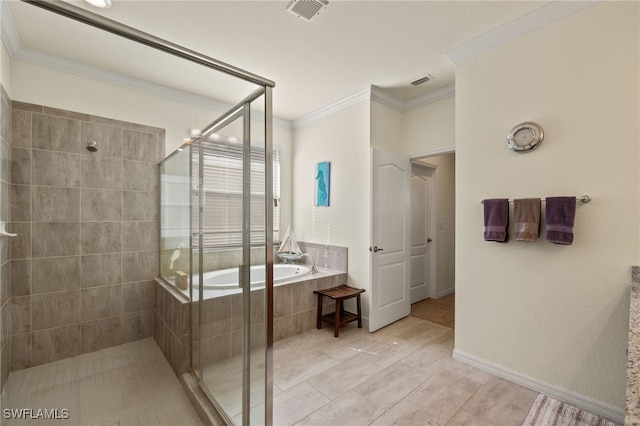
{"points": [[465, 418], [287, 375], [389, 386], [343, 377], [501, 402], [296, 403], [387, 353], [352, 409], [437, 400]]}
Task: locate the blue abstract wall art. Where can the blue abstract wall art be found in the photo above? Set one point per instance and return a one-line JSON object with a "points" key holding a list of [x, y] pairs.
{"points": [[323, 178]]}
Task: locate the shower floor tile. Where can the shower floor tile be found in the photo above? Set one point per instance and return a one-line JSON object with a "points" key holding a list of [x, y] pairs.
{"points": [[130, 384]]}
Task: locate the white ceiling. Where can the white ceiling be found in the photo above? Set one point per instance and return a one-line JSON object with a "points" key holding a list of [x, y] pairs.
{"points": [[348, 47]]}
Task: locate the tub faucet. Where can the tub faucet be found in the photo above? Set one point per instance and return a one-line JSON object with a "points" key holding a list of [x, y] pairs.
{"points": [[314, 270]]}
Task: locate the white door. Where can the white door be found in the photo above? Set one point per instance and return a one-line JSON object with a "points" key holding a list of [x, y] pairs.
{"points": [[421, 232], [390, 239]]}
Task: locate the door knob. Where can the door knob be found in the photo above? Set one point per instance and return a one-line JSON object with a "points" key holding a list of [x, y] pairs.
{"points": [[429, 240], [376, 249]]}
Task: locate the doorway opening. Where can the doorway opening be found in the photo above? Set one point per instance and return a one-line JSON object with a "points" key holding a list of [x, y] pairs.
{"points": [[433, 238]]}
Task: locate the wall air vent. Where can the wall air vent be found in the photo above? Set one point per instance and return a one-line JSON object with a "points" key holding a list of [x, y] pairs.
{"points": [[306, 9]]}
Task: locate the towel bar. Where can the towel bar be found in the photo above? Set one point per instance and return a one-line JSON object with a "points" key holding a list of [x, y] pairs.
{"points": [[584, 198]]}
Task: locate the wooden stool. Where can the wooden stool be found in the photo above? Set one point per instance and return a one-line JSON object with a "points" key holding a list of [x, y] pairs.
{"points": [[340, 317]]}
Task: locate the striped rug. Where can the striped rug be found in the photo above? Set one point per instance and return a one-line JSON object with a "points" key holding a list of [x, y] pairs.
{"points": [[547, 411]]}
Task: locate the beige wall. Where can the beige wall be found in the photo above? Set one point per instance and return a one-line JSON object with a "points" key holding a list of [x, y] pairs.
{"points": [[343, 139], [557, 314], [386, 128], [429, 128], [5, 68]]}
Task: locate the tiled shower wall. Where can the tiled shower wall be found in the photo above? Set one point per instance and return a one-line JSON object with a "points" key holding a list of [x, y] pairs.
{"points": [[86, 254], [5, 285]]}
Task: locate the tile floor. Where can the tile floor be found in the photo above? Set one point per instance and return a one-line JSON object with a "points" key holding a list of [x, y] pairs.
{"points": [[130, 384], [401, 374]]}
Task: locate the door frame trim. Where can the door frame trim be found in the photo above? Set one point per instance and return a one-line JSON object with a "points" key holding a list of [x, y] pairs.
{"points": [[432, 255]]}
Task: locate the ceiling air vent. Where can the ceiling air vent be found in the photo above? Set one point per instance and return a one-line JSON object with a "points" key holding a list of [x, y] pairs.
{"points": [[422, 80], [306, 9]]}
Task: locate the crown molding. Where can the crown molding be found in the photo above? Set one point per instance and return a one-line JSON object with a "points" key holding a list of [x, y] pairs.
{"points": [[117, 79], [377, 94], [386, 98], [331, 108], [547, 14], [8, 31], [430, 97]]}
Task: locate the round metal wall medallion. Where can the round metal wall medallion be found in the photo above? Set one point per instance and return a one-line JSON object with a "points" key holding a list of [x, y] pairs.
{"points": [[525, 137]]}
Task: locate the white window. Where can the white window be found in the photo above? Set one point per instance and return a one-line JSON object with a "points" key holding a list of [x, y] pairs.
{"points": [[223, 195]]}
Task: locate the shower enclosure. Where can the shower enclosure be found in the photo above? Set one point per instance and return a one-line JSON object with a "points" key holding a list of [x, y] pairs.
{"points": [[216, 212], [216, 215]]}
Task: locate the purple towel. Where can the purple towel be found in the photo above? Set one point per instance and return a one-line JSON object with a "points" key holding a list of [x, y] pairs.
{"points": [[496, 219], [560, 213], [526, 214]]}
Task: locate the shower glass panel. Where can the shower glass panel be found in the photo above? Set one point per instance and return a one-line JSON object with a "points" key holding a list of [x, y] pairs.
{"points": [[175, 226], [229, 189]]}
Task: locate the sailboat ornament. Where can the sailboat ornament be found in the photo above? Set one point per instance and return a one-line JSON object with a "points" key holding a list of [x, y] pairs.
{"points": [[289, 250]]}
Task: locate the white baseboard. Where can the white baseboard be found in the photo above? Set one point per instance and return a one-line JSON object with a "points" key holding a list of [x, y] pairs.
{"points": [[446, 292], [610, 412]]}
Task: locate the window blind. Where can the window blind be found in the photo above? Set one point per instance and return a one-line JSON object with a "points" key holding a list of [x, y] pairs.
{"points": [[222, 210]]}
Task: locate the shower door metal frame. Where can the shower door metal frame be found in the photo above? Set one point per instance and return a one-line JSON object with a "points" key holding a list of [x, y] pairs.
{"points": [[243, 110], [92, 19]]}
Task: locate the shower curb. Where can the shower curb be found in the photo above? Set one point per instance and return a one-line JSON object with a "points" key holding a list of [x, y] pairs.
{"points": [[203, 406]]}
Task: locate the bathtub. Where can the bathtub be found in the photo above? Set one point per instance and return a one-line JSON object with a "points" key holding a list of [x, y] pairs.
{"points": [[227, 279]]}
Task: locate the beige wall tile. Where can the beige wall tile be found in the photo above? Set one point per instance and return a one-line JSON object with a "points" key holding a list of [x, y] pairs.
{"points": [[101, 205], [140, 236], [20, 203], [137, 325], [55, 309], [55, 168], [100, 237], [20, 351], [20, 246], [55, 239], [51, 274], [20, 127], [54, 344], [101, 302], [139, 266], [143, 146], [20, 315], [20, 166], [141, 176], [140, 205], [20, 278], [56, 133], [101, 172], [53, 204], [100, 334], [137, 296], [67, 206], [100, 269]]}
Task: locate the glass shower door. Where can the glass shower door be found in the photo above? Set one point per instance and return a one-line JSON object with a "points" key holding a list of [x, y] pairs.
{"points": [[231, 252]]}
